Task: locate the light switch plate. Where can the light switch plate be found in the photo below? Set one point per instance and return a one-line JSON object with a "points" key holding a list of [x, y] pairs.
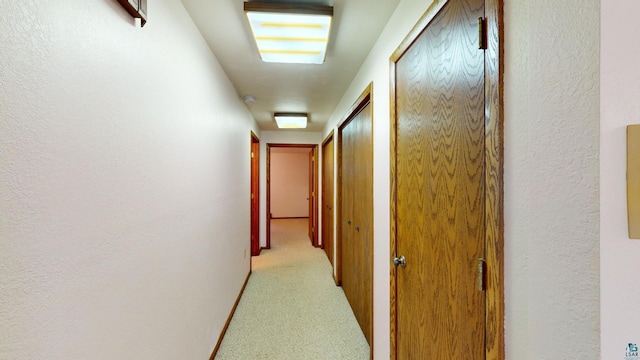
{"points": [[633, 180]]}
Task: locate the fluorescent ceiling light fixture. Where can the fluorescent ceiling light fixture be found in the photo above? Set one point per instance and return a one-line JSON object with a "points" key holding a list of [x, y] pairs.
{"points": [[289, 33], [291, 120]]}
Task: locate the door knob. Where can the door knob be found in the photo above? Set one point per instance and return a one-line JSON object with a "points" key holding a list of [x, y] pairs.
{"points": [[400, 261]]}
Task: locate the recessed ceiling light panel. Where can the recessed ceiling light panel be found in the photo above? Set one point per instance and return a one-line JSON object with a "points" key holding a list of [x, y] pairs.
{"points": [[288, 33], [291, 120]]}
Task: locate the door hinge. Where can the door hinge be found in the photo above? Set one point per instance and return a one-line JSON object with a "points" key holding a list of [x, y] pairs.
{"points": [[481, 265], [482, 34], [252, 196], [252, 154]]}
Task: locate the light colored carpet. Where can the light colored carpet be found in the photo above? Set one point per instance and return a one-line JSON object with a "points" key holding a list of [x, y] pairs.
{"points": [[291, 307]]}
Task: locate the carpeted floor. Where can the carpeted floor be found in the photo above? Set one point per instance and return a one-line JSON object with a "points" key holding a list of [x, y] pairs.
{"points": [[291, 307]]}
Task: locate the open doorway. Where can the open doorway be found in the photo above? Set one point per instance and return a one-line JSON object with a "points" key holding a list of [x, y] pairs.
{"points": [[292, 182]]}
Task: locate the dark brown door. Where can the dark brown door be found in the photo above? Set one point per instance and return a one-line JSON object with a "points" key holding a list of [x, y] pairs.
{"points": [[440, 195], [255, 195], [356, 230], [327, 197]]}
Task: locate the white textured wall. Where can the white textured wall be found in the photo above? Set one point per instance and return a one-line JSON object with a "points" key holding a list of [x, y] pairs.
{"points": [[280, 137], [619, 107], [124, 184], [552, 179], [289, 184], [551, 175]]}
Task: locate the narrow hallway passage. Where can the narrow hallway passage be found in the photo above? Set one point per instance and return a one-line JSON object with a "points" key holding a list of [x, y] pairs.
{"points": [[291, 307]]}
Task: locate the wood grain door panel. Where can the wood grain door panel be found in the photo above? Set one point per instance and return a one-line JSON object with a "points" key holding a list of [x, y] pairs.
{"points": [[356, 240], [440, 188], [328, 197]]}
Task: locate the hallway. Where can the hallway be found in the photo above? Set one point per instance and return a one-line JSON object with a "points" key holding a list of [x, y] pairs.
{"points": [[291, 307], [125, 182]]}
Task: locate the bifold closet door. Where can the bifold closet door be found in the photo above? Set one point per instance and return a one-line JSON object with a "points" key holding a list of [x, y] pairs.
{"points": [[357, 229]]}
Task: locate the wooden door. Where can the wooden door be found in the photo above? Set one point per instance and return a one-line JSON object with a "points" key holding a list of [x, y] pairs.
{"points": [[440, 194], [255, 195], [349, 276], [346, 274], [363, 219], [356, 213], [313, 203], [327, 197]]}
